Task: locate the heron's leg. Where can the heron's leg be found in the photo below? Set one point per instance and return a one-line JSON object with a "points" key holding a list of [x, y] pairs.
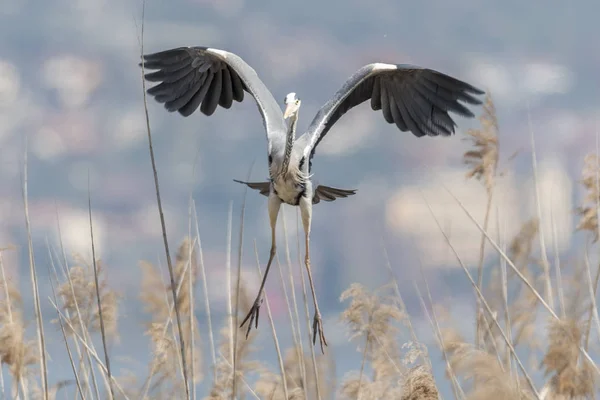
{"points": [[274, 206], [306, 213]]}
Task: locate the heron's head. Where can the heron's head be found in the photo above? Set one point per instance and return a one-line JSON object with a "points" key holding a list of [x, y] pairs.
{"points": [[292, 105]]}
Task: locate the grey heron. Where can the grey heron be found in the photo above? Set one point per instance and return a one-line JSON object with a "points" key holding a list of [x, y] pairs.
{"points": [[414, 98]]}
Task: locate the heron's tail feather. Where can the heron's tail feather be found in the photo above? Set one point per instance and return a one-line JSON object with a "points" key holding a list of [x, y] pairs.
{"points": [[327, 193], [263, 187]]}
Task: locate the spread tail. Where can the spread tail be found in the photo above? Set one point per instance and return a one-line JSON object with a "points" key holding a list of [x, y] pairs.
{"points": [[263, 187], [325, 193]]}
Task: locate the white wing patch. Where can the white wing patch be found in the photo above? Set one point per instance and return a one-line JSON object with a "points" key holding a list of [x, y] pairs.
{"points": [[221, 53], [384, 67]]}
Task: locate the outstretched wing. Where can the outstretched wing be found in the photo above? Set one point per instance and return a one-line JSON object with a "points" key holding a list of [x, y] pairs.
{"points": [[192, 77], [327, 193], [415, 99], [263, 187], [324, 193]]}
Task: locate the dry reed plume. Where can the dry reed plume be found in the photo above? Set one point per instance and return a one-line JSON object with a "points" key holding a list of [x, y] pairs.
{"points": [[372, 320], [78, 295], [589, 211], [16, 351], [164, 377], [270, 385], [483, 376], [571, 377], [483, 158]]}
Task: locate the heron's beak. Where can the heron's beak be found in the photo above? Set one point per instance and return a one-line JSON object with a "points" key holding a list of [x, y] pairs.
{"points": [[289, 110]]}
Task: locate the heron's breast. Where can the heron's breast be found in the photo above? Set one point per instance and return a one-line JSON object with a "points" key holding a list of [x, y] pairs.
{"points": [[289, 192]]}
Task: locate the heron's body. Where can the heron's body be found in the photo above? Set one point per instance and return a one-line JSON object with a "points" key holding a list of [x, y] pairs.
{"points": [[289, 191], [415, 99], [289, 183]]}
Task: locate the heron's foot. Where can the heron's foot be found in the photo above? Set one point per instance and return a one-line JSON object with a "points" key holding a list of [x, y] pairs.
{"points": [[253, 315], [318, 329]]}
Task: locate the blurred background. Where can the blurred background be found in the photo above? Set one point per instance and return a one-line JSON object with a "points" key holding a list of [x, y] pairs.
{"points": [[70, 89]]}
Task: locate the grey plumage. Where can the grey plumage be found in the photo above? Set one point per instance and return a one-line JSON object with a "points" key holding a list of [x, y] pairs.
{"points": [[193, 77], [325, 193], [415, 99]]}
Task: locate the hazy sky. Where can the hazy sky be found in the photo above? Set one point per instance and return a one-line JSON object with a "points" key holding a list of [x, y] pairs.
{"points": [[70, 85]]}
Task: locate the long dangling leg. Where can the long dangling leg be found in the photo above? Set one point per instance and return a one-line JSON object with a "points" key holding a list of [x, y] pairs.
{"points": [[306, 213], [274, 205]]}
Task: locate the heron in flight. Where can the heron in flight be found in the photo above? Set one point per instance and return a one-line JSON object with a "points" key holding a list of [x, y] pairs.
{"points": [[413, 98]]}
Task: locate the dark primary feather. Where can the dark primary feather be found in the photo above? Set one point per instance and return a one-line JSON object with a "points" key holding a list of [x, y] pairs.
{"points": [[263, 187], [414, 99], [204, 78], [327, 193], [324, 193], [190, 78]]}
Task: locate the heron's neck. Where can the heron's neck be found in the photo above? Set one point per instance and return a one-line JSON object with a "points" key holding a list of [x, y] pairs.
{"points": [[289, 143]]}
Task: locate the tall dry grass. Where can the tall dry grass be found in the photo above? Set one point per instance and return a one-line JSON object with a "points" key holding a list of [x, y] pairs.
{"points": [[521, 349]]}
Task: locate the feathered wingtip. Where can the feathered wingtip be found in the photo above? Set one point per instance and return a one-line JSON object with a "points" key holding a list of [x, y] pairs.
{"points": [[263, 187], [165, 58], [327, 193], [166, 61]]}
